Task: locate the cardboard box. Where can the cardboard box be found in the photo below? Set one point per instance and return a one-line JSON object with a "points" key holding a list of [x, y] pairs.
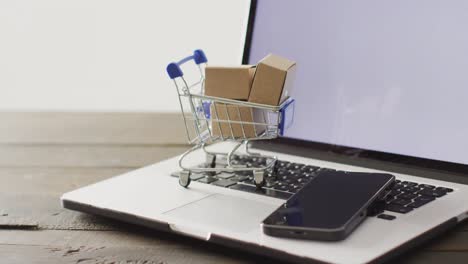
{"points": [[273, 80], [229, 82], [246, 115]]}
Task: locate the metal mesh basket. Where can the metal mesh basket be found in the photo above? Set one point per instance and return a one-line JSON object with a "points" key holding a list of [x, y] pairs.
{"points": [[210, 119]]}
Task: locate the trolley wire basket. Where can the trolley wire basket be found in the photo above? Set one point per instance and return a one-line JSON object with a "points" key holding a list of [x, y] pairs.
{"points": [[209, 120]]}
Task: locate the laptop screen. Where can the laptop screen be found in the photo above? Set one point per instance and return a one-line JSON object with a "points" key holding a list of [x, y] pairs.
{"points": [[389, 76]]}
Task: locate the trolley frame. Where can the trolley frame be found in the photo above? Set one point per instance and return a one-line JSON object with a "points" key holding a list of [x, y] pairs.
{"points": [[216, 119]]}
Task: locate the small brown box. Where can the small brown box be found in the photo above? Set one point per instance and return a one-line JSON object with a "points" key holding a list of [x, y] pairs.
{"points": [[225, 112], [229, 82], [273, 80]]}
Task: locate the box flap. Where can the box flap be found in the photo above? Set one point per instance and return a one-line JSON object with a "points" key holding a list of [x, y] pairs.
{"points": [[278, 62], [231, 67], [229, 82]]}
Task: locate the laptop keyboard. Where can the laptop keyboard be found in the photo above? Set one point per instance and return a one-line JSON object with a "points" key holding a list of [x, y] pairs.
{"points": [[288, 178]]}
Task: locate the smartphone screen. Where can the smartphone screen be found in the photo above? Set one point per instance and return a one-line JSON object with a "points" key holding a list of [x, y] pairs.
{"points": [[330, 200]]}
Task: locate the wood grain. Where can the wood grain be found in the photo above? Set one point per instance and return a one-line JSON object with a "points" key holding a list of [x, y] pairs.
{"points": [[50, 180], [130, 246], [109, 156], [19, 254], [45, 212], [95, 128]]}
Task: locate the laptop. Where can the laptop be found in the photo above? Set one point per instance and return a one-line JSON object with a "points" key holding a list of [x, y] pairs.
{"points": [[380, 87]]}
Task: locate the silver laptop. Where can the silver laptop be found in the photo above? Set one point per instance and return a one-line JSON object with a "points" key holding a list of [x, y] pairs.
{"points": [[380, 86]]}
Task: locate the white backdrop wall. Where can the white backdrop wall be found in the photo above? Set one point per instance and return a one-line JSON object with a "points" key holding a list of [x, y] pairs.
{"points": [[108, 55]]}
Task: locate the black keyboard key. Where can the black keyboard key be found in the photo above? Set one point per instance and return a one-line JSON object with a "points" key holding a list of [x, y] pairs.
{"points": [[386, 216], [425, 198], [270, 175], [196, 176], [395, 193], [207, 180], [283, 164], [243, 187], [281, 187], [432, 192], [282, 172], [249, 181], [301, 184], [255, 164], [444, 189], [284, 188], [294, 174], [426, 186], [289, 181], [376, 208], [239, 178], [326, 170], [295, 188], [296, 166], [408, 183], [244, 173], [417, 204], [410, 189], [211, 165], [263, 191], [408, 196], [259, 161], [236, 162], [246, 157], [282, 178], [225, 175], [309, 168], [399, 201], [302, 180], [398, 208], [224, 183]]}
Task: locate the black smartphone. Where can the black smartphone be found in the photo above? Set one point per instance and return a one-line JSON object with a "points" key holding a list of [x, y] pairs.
{"points": [[330, 206]]}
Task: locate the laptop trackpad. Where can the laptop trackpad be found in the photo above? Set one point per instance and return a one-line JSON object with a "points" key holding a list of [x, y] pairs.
{"points": [[226, 212]]}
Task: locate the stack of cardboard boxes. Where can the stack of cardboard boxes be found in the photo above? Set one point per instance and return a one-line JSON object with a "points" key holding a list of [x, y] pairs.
{"points": [[269, 82]]}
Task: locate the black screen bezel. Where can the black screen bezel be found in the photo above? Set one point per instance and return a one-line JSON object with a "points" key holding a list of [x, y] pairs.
{"points": [[354, 156]]}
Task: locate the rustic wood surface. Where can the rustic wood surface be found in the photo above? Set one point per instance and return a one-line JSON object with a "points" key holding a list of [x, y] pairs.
{"points": [[43, 155]]}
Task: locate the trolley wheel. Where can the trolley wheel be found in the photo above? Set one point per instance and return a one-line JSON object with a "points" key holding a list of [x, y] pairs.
{"points": [[211, 160], [184, 178], [259, 179]]}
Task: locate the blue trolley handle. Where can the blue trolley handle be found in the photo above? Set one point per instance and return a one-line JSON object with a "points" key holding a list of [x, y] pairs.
{"points": [[174, 70]]}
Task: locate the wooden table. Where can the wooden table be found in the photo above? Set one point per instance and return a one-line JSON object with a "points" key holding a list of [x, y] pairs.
{"points": [[43, 155]]}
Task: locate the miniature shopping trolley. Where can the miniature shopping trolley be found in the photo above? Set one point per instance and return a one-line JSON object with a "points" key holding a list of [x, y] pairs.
{"points": [[210, 120]]}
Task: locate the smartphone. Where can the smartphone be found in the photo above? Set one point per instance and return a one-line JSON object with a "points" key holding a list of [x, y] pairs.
{"points": [[330, 206]]}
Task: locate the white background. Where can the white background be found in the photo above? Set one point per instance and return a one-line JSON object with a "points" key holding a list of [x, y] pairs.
{"points": [[108, 55]]}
